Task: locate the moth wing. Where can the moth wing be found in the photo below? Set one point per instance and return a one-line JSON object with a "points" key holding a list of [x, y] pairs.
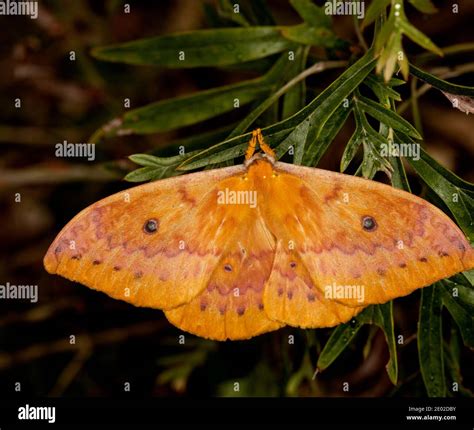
{"points": [[321, 213], [292, 298], [232, 306], [107, 248]]}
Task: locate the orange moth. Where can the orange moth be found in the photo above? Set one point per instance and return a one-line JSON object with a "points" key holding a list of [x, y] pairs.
{"points": [[239, 251]]}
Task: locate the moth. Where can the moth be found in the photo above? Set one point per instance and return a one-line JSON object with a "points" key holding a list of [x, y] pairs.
{"points": [[235, 252]]}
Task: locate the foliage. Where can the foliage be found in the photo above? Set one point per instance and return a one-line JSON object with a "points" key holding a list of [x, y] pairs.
{"points": [[302, 127]]}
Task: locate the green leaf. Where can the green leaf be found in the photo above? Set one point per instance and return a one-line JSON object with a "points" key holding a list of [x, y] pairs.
{"points": [[308, 35], [373, 11], [351, 149], [145, 174], [372, 142], [381, 89], [425, 6], [155, 167], [324, 105], [387, 30], [174, 113], [342, 335], [317, 147], [417, 36], [297, 140], [440, 84], [203, 48], [312, 14], [383, 317], [451, 359], [430, 344], [399, 176], [455, 193], [182, 111], [373, 161], [459, 300], [389, 57], [147, 160], [340, 338], [387, 116], [469, 275]]}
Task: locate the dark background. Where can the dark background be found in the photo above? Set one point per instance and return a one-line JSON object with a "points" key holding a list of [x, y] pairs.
{"points": [[116, 342]]}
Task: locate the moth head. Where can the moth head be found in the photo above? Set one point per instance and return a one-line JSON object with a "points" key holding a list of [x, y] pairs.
{"points": [[259, 157]]}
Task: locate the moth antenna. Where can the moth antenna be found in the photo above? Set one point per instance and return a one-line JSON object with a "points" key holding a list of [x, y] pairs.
{"points": [[252, 144], [263, 145]]}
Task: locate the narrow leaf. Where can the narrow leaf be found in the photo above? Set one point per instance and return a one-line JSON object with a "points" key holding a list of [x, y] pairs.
{"points": [[374, 10], [387, 116], [312, 14], [203, 48], [418, 37], [340, 338], [383, 317], [425, 6], [317, 148], [399, 176], [381, 89], [430, 343], [147, 174], [178, 112], [329, 100], [351, 149], [307, 35], [440, 84], [458, 300], [384, 35], [146, 160]]}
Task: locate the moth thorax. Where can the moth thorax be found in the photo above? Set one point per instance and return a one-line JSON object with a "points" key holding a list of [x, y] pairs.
{"points": [[260, 166]]}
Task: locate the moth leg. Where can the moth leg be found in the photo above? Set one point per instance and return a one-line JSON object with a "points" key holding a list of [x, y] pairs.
{"points": [[252, 144], [263, 145]]}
